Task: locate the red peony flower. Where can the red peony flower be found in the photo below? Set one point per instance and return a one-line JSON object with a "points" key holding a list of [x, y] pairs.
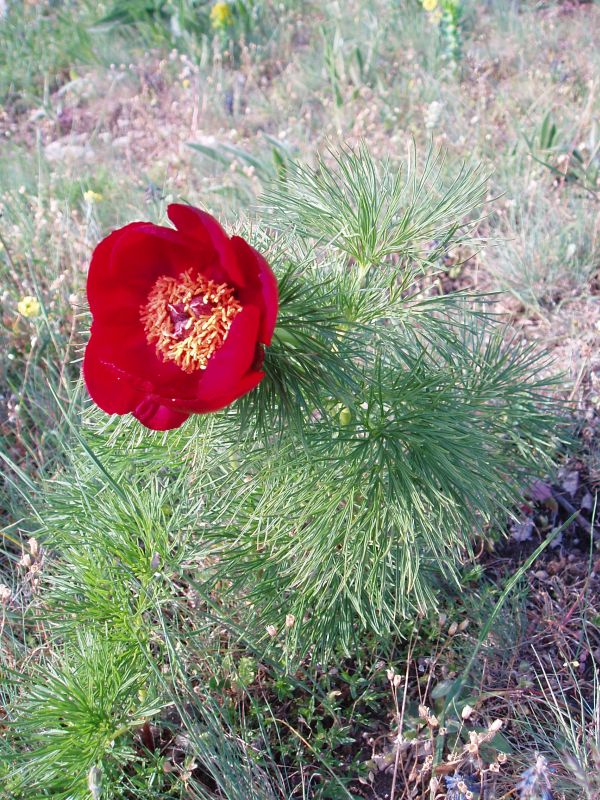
{"points": [[180, 318]]}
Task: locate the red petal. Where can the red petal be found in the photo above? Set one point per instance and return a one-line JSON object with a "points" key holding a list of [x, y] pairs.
{"points": [[110, 388], [126, 264], [157, 417], [124, 346], [267, 286], [234, 358], [245, 385], [100, 264], [203, 228]]}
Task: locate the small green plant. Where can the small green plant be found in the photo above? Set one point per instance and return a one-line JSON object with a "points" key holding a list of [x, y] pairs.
{"points": [[569, 162], [450, 29], [372, 212], [77, 715], [447, 15], [159, 19], [251, 173], [349, 66], [188, 24]]}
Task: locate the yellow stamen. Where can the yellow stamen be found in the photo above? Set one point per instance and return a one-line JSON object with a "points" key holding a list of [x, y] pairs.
{"points": [[188, 319]]}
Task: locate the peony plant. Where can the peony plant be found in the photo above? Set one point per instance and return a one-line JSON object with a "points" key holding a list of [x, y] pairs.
{"points": [[354, 430], [306, 440]]}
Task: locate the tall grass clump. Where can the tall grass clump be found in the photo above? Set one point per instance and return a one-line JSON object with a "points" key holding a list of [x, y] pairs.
{"points": [[564, 724]]}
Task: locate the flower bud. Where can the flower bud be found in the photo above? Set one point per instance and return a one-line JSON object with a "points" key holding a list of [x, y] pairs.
{"points": [[345, 416]]}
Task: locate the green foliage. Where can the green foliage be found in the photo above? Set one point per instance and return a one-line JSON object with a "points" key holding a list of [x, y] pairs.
{"points": [[36, 352], [76, 715], [40, 43], [350, 527], [187, 24], [447, 15], [46, 43], [118, 555], [450, 30], [350, 65], [159, 20], [249, 169], [567, 160], [547, 254], [371, 211], [347, 527]]}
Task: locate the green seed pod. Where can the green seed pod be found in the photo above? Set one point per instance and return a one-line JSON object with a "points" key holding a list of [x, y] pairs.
{"points": [[345, 416]]}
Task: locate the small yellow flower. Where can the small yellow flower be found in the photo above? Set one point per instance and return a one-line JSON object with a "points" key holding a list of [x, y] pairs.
{"points": [[430, 5], [92, 197], [29, 306], [221, 16], [186, 83]]}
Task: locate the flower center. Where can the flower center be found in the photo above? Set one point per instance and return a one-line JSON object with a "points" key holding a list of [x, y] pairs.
{"points": [[188, 319]]}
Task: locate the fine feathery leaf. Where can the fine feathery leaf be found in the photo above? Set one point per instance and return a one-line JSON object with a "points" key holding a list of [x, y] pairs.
{"points": [[371, 211]]}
